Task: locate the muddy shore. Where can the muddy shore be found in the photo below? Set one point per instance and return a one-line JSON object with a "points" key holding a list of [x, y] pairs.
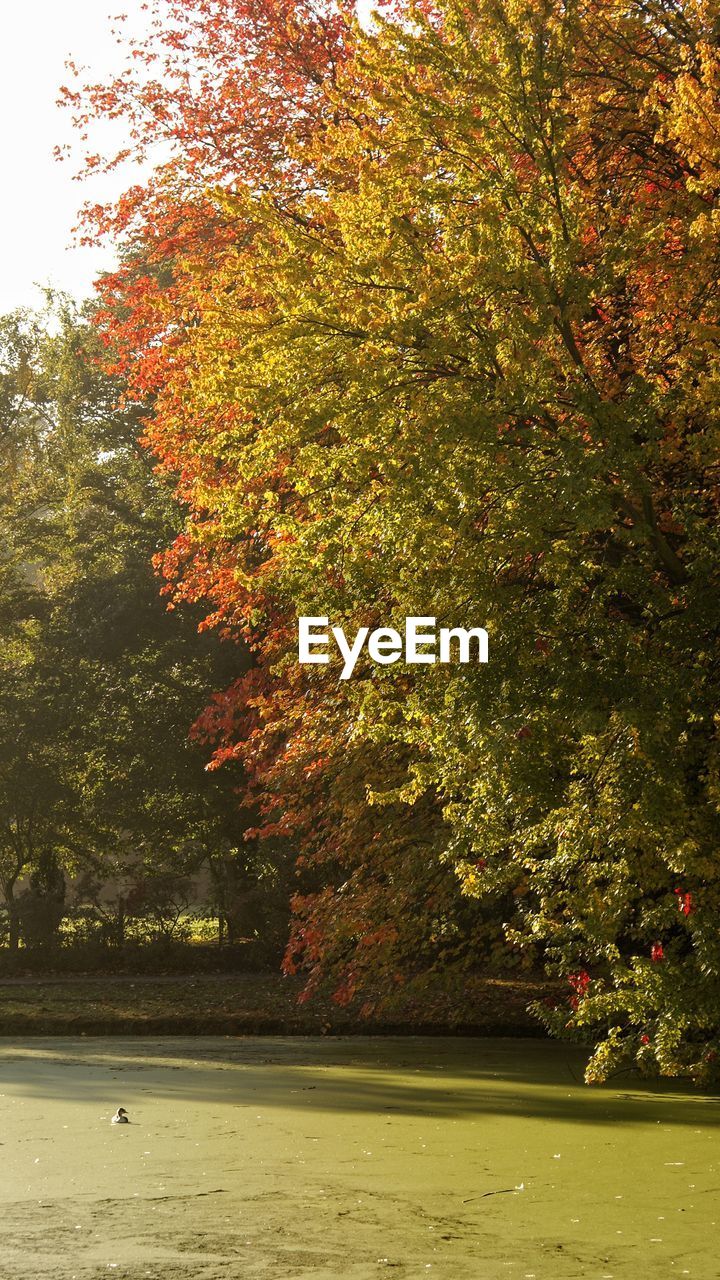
{"points": [[247, 1004]]}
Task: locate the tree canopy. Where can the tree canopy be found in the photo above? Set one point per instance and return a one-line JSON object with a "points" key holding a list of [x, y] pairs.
{"points": [[100, 685], [429, 316]]}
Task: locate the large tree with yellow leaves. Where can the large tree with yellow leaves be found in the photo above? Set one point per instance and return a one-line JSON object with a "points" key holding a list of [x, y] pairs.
{"points": [[455, 353]]}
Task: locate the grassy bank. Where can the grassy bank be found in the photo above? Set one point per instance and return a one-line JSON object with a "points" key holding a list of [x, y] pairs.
{"points": [[252, 1004]]}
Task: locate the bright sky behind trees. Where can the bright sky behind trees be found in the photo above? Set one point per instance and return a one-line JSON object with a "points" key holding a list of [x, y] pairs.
{"points": [[40, 203]]}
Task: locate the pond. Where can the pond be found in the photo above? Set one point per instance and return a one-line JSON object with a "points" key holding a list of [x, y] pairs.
{"points": [[345, 1159]]}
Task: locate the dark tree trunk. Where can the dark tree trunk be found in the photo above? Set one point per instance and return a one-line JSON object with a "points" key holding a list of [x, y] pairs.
{"points": [[120, 923], [8, 889], [13, 928]]}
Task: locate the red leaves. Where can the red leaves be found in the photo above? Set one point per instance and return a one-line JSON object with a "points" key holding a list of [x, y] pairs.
{"points": [[579, 982], [345, 993], [686, 904]]}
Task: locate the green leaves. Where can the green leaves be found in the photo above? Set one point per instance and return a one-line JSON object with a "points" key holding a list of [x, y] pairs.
{"points": [[453, 353], [99, 684]]}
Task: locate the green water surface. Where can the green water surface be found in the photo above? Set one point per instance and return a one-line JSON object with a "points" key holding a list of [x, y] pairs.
{"points": [[345, 1159]]}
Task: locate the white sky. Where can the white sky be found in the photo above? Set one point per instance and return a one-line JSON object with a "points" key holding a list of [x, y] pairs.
{"points": [[39, 200]]}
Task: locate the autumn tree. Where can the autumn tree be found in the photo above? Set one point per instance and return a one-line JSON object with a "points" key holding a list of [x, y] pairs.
{"points": [[455, 354]]}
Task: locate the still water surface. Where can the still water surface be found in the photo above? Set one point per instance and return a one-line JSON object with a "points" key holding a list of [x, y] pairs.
{"points": [[347, 1159]]}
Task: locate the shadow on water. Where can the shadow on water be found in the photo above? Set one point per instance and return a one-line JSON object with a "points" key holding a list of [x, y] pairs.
{"points": [[434, 1078]]}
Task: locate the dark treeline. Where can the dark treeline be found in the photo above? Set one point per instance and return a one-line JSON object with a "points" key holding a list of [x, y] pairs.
{"points": [[112, 832]]}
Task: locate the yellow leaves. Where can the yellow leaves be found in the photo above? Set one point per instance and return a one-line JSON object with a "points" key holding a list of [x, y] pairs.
{"points": [[690, 115], [705, 228]]}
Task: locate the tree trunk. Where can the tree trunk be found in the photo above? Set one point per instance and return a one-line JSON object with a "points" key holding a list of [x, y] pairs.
{"points": [[120, 923], [8, 889]]}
